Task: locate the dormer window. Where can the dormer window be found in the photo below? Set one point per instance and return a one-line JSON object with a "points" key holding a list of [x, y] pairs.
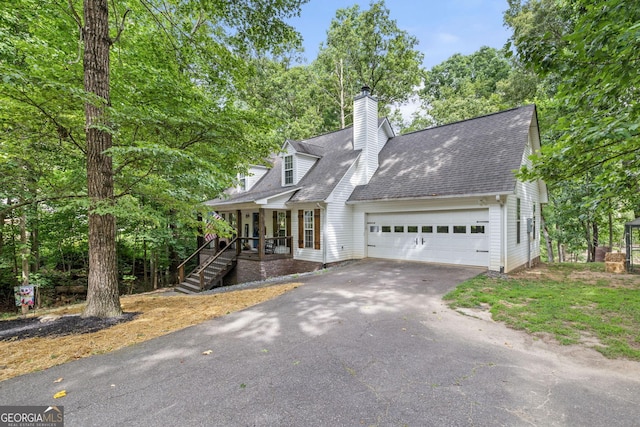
{"points": [[288, 170], [242, 181]]}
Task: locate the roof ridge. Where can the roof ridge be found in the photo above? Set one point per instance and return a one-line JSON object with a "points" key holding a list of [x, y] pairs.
{"points": [[470, 119], [322, 134]]}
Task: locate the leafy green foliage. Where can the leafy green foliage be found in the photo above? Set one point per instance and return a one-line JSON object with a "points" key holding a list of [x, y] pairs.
{"points": [[366, 48], [466, 86], [591, 51], [181, 126]]}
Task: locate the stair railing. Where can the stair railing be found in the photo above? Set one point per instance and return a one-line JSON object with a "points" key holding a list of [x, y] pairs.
{"points": [[181, 274], [202, 268]]}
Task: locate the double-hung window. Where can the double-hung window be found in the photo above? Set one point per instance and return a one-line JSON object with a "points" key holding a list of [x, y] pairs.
{"points": [[288, 170], [308, 229]]}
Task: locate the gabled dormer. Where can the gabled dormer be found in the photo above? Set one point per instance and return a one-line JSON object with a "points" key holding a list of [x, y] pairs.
{"points": [[245, 181], [297, 159]]}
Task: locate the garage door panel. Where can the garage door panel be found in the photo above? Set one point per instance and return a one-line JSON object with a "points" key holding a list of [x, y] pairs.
{"points": [[423, 237]]}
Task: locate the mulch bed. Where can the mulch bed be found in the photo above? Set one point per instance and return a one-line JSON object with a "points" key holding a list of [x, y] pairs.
{"points": [[19, 329]]}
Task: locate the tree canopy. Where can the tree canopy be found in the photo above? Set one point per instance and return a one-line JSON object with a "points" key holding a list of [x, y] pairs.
{"points": [[168, 108], [465, 86], [366, 48], [590, 51]]}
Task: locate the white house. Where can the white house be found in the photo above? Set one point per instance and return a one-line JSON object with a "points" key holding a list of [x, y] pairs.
{"points": [[446, 194]]}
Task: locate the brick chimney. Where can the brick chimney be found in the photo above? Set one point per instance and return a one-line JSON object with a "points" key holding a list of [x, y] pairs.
{"points": [[365, 132]]}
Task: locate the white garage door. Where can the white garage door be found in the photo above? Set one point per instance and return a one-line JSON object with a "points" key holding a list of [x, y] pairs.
{"points": [[451, 237]]}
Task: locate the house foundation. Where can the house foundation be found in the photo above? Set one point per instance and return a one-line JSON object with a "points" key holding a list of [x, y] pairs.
{"points": [[253, 270]]}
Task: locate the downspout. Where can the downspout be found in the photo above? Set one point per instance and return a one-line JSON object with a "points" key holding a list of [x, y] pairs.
{"points": [[528, 245], [323, 242], [503, 235]]}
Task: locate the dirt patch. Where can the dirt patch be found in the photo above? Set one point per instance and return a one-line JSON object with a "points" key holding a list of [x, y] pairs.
{"points": [[552, 272], [147, 316]]}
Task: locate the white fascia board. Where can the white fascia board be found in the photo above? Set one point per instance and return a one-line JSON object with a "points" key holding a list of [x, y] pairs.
{"points": [[543, 192], [265, 201], [311, 156], [450, 196], [387, 127]]}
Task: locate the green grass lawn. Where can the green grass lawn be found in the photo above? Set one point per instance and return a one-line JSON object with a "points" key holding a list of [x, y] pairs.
{"points": [[575, 303]]}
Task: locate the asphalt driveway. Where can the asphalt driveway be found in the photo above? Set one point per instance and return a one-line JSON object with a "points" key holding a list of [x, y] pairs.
{"points": [[366, 344]]}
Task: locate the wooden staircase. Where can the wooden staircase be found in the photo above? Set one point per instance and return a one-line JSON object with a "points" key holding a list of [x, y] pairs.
{"points": [[209, 273]]}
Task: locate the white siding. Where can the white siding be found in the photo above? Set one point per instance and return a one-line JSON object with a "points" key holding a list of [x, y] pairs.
{"points": [[365, 135], [339, 215], [254, 175], [301, 164], [336, 225], [381, 140], [519, 254], [496, 248], [306, 254]]}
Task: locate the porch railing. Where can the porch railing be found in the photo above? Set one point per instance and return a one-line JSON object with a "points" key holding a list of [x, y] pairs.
{"points": [[272, 245]]}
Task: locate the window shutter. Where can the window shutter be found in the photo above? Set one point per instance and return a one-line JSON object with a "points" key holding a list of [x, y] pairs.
{"points": [[288, 226], [275, 224], [301, 229], [316, 229]]}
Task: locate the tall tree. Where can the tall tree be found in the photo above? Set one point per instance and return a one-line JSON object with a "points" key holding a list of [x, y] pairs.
{"points": [[591, 51], [103, 295], [465, 86], [163, 122], [367, 48]]}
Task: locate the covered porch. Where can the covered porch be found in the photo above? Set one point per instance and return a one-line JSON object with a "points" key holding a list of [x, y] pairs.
{"points": [[262, 234]]}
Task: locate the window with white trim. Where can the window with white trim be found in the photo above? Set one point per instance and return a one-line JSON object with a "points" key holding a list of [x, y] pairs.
{"points": [[288, 170], [308, 229], [533, 230], [242, 182]]}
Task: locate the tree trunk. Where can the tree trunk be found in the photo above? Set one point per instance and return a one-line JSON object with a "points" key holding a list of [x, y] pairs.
{"points": [[2, 218], [24, 248], [343, 122], [154, 268], [35, 240], [145, 272], [587, 236], [172, 253], [547, 239], [595, 239], [103, 298], [610, 228]]}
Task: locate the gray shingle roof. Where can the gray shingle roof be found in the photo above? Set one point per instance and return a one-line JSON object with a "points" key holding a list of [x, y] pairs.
{"points": [[336, 155], [475, 156]]}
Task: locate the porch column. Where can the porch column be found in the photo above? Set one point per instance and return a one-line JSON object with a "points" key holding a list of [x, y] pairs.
{"points": [[238, 231], [261, 233]]}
